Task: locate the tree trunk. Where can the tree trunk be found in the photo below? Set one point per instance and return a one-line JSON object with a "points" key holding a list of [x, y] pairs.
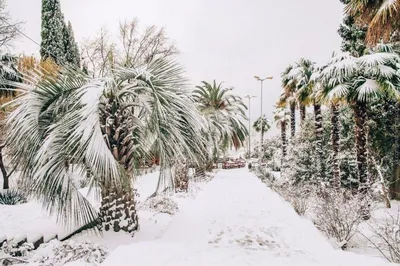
{"points": [[395, 179], [292, 119], [6, 184], [302, 114], [335, 145], [319, 131], [118, 209], [181, 177], [360, 112], [283, 138]]}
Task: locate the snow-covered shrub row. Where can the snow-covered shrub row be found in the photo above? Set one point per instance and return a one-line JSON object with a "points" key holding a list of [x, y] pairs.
{"points": [[338, 213]]}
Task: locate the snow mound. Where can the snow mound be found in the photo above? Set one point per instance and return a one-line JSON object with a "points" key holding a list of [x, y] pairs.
{"points": [[161, 205]]}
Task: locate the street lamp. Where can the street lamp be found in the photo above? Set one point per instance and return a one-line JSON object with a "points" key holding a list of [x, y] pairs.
{"points": [[249, 97], [261, 117]]}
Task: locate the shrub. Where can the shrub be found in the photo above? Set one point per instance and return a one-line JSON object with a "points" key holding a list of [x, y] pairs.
{"points": [[338, 214], [386, 236], [11, 197], [298, 196], [59, 253]]}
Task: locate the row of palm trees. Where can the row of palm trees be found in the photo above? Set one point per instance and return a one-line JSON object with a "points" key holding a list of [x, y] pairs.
{"points": [[107, 127], [343, 80]]}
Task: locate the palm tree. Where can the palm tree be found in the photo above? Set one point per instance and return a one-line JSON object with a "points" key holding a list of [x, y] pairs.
{"points": [[281, 117], [289, 95], [265, 126], [358, 81], [223, 113], [108, 124], [381, 16]]}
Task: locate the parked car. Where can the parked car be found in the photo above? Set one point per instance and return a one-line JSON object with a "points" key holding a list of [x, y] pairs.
{"points": [[242, 163]]}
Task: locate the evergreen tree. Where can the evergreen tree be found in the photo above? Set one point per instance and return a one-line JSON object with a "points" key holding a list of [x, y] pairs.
{"points": [[353, 35], [52, 45], [71, 47]]}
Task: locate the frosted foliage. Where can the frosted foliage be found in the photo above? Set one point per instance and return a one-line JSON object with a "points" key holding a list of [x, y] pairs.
{"points": [[52, 31], [57, 253], [338, 214]]}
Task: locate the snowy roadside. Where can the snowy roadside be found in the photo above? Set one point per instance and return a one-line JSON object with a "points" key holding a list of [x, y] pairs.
{"points": [[365, 240]]}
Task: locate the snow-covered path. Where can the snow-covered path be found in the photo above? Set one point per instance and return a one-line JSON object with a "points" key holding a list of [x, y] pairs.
{"points": [[237, 220]]}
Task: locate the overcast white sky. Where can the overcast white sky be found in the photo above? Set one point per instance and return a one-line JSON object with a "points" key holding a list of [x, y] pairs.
{"points": [[227, 40]]}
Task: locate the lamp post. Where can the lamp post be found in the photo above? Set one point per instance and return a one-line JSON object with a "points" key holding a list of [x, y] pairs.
{"points": [[261, 117], [249, 97]]}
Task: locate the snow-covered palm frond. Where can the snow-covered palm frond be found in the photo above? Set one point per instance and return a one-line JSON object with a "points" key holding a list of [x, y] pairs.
{"points": [[281, 115], [381, 16], [223, 113]]}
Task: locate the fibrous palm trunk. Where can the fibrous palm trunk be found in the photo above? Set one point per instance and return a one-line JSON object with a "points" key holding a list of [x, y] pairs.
{"points": [[284, 140], [361, 131], [181, 177], [292, 119], [395, 179], [302, 114], [319, 131], [335, 145], [118, 205], [118, 209]]}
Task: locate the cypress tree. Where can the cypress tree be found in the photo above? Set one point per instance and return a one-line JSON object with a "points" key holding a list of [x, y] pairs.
{"points": [[52, 45], [71, 47]]}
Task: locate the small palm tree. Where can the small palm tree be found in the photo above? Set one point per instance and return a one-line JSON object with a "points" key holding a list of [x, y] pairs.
{"points": [[282, 117], [223, 113], [381, 16], [108, 125], [262, 125], [359, 81]]}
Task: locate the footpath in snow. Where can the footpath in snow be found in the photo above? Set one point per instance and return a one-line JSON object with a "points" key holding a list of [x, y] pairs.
{"points": [[237, 220]]}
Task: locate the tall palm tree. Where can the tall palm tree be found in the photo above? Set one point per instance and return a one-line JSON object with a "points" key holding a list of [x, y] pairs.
{"points": [[109, 124], [224, 113], [358, 81], [289, 95], [266, 125], [282, 117], [381, 16]]}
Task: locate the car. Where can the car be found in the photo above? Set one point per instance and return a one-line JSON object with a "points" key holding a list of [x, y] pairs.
{"points": [[241, 163]]}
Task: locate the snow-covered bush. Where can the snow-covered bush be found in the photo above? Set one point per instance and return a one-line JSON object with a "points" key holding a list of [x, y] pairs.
{"points": [[298, 196], [12, 248], [161, 205], [57, 253], [338, 214], [386, 235], [11, 197]]}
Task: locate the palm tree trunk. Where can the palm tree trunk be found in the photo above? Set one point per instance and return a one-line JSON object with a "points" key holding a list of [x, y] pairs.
{"points": [[302, 114], [395, 179], [360, 111], [319, 131], [283, 138], [292, 119], [335, 145], [181, 177], [118, 209]]}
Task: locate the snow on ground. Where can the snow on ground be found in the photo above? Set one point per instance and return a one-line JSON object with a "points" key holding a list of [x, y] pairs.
{"points": [[237, 220], [30, 220]]}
